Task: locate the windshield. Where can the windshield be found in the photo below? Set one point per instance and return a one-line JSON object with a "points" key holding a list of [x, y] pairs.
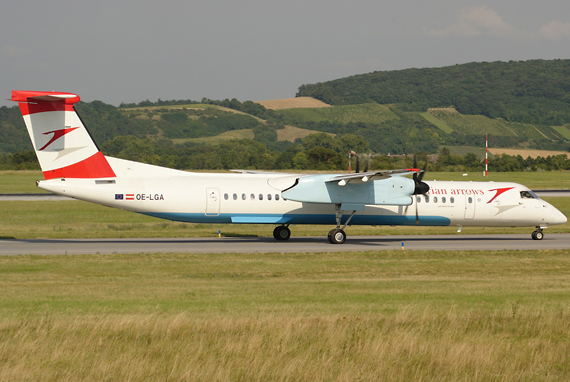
{"points": [[528, 194]]}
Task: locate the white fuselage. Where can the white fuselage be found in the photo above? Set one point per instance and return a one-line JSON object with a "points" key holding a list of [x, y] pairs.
{"points": [[249, 198]]}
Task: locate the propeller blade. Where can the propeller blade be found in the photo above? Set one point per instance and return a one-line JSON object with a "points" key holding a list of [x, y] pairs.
{"points": [[420, 187], [357, 165], [366, 167], [417, 216], [421, 176], [415, 175]]}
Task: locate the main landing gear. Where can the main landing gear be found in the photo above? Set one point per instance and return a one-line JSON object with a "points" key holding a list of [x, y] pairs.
{"points": [[337, 235], [282, 232], [537, 235]]}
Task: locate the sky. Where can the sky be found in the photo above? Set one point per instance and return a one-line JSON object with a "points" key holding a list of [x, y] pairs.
{"points": [[131, 51]]}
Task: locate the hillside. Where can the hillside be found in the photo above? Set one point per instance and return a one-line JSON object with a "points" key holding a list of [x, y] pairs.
{"points": [[535, 91], [292, 103], [522, 105]]}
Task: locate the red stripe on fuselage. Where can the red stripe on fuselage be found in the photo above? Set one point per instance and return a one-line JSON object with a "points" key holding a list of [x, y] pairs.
{"points": [[96, 166]]}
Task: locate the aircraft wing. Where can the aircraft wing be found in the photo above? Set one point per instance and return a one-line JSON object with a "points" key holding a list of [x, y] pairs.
{"points": [[240, 171], [354, 190], [364, 177]]}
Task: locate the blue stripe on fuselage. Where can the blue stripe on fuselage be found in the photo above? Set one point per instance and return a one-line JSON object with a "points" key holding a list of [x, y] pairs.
{"points": [[301, 219]]}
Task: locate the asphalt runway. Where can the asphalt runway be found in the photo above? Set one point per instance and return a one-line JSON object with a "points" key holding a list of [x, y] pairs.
{"points": [[295, 244]]}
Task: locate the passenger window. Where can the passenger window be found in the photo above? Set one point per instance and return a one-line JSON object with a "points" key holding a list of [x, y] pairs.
{"points": [[443, 199], [226, 196], [242, 196], [276, 196], [252, 197], [452, 199], [260, 196], [268, 196], [235, 196], [435, 199], [427, 199], [470, 200], [419, 199]]}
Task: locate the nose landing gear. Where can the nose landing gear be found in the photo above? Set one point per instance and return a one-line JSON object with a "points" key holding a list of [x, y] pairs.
{"points": [[537, 235]]}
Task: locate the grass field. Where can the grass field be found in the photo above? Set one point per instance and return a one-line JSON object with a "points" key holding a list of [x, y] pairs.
{"points": [[383, 316], [343, 316]]}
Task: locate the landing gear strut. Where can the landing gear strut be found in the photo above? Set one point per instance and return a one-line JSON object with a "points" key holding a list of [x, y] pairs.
{"points": [[281, 232], [337, 235], [537, 235]]}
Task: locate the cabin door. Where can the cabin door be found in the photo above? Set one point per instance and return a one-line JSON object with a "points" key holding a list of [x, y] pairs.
{"points": [[469, 206], [212, 201]]}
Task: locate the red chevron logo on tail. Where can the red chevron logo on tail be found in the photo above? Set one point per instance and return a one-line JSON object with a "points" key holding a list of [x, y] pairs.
{"points": [[57, 134]]}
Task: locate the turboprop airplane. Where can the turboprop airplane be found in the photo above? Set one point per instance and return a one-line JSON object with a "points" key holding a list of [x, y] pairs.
{"points": [[73, 166]]}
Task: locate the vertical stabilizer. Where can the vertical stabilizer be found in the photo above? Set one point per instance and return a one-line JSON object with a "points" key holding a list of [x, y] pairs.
{"points": [[62, 144]]}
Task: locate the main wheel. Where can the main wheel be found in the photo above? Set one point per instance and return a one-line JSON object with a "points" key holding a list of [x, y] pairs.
{"points": [[537, 235], [281, 233], [337, 236]]}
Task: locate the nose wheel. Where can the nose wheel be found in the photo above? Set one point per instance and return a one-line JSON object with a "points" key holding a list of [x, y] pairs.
{"points": [[537, 235]]}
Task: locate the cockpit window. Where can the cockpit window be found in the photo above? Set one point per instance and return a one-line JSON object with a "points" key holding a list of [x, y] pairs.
{"points": [[528, 195]]}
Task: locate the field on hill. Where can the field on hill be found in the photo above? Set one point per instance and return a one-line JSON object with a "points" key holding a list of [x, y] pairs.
{"points": [[479, 124], [365, 113], [378, 315], [527, 153], [293, 103]]}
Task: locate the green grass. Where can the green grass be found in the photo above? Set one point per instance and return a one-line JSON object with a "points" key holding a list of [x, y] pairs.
{"points": [[562, 130], [439, 124], [386, 316], [543, 180], [20, 182]]}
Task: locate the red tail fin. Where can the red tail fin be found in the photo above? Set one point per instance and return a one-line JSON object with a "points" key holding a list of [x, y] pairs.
{"points": [[63, 146]]}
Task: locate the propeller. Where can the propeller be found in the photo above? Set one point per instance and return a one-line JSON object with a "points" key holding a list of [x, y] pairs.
{"points": [[357, 170], [421, 188]]}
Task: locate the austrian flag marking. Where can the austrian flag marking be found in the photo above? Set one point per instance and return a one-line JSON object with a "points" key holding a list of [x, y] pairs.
{"points": [[129, 196]]}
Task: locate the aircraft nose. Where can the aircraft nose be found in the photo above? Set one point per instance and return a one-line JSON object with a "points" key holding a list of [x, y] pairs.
{"points": [[557, 217]]}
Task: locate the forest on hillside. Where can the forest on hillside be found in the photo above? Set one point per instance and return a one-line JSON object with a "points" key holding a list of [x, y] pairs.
{"points": [[536, 91], [378, 113]]}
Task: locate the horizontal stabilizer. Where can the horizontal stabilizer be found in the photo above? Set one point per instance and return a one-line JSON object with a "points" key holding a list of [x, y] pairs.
{"points": [[31, 96]]}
